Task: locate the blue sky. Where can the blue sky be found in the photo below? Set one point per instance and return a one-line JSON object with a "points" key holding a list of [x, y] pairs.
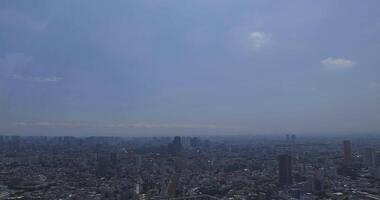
{"points": [[189, 67]]}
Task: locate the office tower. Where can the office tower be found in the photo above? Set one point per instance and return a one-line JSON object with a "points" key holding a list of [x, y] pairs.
{"points": [[287, 138], [319, 180], [285, 169], [347, 153], [293, 139], [139, 162], [101, 165], [114, 163], [172, 186], [177, 144], [369, 157], [175, 147]]}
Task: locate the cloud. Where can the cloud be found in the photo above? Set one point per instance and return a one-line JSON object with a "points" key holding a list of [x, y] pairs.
{"points": [[37, 78], [12, 64], [15, 18], [337, 64], [260, 40]]}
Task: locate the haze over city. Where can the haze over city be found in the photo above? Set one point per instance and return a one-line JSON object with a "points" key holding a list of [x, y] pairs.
{"points": [[189, 100], [142, 67]]}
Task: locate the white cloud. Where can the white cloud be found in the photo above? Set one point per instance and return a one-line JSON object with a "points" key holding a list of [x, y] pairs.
{"points": [[260, 40], [37, 78], [11, 64], [338, 64]]}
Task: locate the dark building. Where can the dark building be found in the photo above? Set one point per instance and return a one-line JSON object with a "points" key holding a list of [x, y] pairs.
{"points": [[194, 142], [347, 153], [295, 193], [293, 139], [285, 169], [101, 165], [175, 147], [177, 144], [369, 157]]}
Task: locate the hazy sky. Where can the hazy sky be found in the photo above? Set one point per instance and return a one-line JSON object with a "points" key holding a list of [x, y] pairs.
{"points": [[189, 66]]}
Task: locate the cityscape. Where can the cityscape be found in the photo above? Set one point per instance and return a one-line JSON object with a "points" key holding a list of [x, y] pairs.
{"points": [[216, 167], [189, 100]]}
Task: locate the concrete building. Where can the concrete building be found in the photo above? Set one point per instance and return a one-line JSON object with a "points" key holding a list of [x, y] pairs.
{"points": [[285, 169], [347, 153]]}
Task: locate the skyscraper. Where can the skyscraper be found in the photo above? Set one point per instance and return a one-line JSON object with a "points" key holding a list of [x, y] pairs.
{"points": [[175, 147], [293, 139], [177, 144], [285, 169], [172, 186], [369, 157], [347, 153]]}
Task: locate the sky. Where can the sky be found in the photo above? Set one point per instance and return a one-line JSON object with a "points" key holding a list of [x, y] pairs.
{"points": [[157, 67]]}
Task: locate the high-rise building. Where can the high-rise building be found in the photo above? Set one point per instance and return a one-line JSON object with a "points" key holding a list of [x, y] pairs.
{"points": [[293, 139], [172, 186], [347, 153], [319, 180], [285, 169], [101, 164], [175, 147], [369, 157], [177, 144]]}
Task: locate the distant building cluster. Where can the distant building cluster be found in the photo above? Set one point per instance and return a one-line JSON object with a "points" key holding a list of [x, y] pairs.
{"points": [[189, 168]]}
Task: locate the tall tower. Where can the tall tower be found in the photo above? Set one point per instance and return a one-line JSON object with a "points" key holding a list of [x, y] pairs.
{"points": [[177, 144], [347, 153], [293, 139], [172, 186], [175, 147], [285, 169], [369, 157]]}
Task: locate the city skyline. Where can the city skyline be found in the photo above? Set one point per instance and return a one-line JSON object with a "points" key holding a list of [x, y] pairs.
{"points": [[189, 100]]}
